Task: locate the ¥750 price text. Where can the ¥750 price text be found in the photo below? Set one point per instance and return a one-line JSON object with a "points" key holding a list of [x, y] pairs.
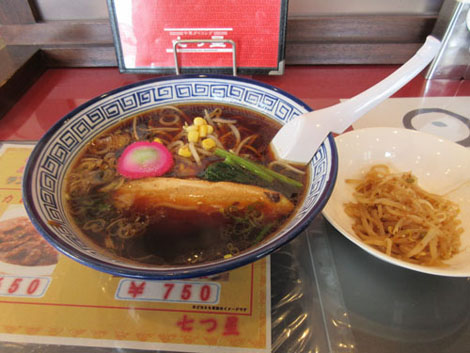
{"points": [[171, 291]]}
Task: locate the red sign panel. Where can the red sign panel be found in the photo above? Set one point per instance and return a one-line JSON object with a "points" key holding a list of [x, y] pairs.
{"points": [[145, 32]]}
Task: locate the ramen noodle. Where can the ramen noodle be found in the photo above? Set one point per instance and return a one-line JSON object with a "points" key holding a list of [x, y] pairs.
{"points": [[394, 215], [182, 185]]}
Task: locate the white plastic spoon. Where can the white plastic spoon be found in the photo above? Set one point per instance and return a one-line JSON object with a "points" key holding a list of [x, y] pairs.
{"points": [[298, 140]]}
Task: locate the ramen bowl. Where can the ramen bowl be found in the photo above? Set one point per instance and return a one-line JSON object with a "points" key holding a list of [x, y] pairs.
{"points": [[56, 152], [440, 166]]}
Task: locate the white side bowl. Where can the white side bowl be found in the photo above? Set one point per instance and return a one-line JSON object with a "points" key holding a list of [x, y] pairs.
{"points": [[439, 165]]}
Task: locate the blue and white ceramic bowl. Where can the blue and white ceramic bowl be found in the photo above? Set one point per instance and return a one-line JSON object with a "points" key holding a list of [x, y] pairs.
{"points": [[43, 185]]}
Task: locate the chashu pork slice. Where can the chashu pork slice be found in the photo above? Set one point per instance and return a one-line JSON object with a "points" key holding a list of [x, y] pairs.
{"points": [[145, 195]]}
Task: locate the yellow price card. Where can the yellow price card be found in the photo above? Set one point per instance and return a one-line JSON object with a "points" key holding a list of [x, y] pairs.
{"points": [[50, 299]]}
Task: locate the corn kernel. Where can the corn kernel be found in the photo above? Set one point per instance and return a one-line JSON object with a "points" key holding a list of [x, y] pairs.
{"points": [[184, 151], [203, 130], [210, 129], [156, 139], [193, 136], [208, 144], [199, 121], [190, 128]]}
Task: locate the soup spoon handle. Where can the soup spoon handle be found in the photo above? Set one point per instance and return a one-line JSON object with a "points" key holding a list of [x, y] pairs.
{"points": [[298, 140]]}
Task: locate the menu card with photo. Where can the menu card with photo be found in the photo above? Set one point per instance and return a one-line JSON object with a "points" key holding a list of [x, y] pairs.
{"points": [[47, 298]]}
